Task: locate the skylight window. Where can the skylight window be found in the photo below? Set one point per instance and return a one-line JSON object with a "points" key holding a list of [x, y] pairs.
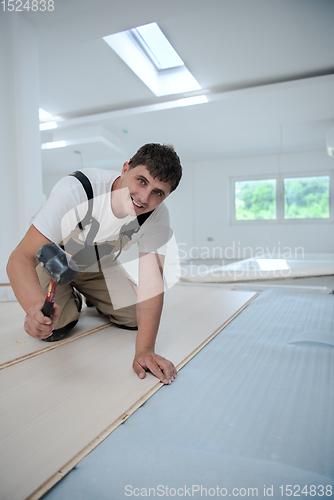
{"points": [[152, 58], [157, 47]]}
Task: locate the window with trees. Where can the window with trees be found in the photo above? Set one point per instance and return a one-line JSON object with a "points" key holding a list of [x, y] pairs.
{"points": [[282, 198], [306, 197], [255, 199]]}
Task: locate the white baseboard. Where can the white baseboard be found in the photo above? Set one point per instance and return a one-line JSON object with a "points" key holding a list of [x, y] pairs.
{"points": [[7, 294]]}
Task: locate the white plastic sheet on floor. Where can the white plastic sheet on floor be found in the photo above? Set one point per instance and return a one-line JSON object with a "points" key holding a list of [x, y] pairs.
{"points": [[251, 415], [266, 267]]}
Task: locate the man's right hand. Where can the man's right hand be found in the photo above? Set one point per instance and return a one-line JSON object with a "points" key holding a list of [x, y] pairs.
{"points": [[21, 270], [36, 324]]}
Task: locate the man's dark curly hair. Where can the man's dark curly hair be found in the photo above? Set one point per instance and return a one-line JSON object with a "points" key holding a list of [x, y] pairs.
{"points": [[161, 161]]}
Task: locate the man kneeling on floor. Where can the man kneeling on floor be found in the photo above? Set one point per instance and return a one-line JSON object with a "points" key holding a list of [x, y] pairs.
{"points": [[94, 215]]}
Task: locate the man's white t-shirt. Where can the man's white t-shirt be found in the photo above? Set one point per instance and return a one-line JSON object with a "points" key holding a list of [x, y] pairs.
{"points": [[68, 205]]}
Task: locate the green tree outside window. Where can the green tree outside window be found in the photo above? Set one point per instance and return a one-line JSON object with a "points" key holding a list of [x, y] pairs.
{"points": [[306, 197], [255, 200]]}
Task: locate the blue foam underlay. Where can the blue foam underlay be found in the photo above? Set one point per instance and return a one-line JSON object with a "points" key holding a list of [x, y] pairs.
{"points": [[253, 409]]}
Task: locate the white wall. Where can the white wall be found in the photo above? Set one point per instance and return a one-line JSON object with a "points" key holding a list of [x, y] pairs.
{"points": [[20, 153], [181, 209], [200, 210]]}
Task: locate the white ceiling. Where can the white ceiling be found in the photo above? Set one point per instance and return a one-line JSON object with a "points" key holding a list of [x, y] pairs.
{"points": [[266, 66]]}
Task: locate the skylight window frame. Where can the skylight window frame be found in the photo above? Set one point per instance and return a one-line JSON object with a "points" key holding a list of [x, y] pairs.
{"points": [[169, 81], [157, 53]]}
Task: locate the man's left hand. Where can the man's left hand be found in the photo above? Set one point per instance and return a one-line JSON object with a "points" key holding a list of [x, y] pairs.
{"points": [[163, 369]]}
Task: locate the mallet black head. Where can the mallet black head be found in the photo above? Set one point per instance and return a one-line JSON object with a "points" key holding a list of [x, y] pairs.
{"points": [[57, 263]]}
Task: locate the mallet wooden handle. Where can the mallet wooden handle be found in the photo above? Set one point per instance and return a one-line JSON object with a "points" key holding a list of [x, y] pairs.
{"points": [[50, 299]]}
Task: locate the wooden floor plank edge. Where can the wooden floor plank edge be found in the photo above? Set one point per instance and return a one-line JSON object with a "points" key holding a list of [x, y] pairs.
{"points": [[253, 279], [53, 480], [53, 346]]}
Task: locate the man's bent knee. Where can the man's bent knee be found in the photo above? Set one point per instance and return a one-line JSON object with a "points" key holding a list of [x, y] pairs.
{"points": [[125, 317]]}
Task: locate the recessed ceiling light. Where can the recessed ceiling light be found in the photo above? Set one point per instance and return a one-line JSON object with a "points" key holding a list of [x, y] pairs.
{"points": [[47, 125], [54, 144], [189, 101], [44, 115]]}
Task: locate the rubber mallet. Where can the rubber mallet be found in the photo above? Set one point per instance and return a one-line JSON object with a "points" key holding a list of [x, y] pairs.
{"points": [[61, 269]]}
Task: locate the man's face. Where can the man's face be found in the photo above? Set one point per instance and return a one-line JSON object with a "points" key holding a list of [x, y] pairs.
{"points": [[144, 192]]}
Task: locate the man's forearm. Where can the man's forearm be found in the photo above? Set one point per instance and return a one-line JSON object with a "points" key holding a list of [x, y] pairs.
{"points": [[148, 318], [21, 270], [149, 313], [24, 280], [149, 307]]}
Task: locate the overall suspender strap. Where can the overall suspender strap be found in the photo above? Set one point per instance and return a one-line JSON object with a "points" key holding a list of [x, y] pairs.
{"points": [[90, 196], [142, 217]]}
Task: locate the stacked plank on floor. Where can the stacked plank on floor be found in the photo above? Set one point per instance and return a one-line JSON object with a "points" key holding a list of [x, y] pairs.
{"points": [[59, 401]]}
